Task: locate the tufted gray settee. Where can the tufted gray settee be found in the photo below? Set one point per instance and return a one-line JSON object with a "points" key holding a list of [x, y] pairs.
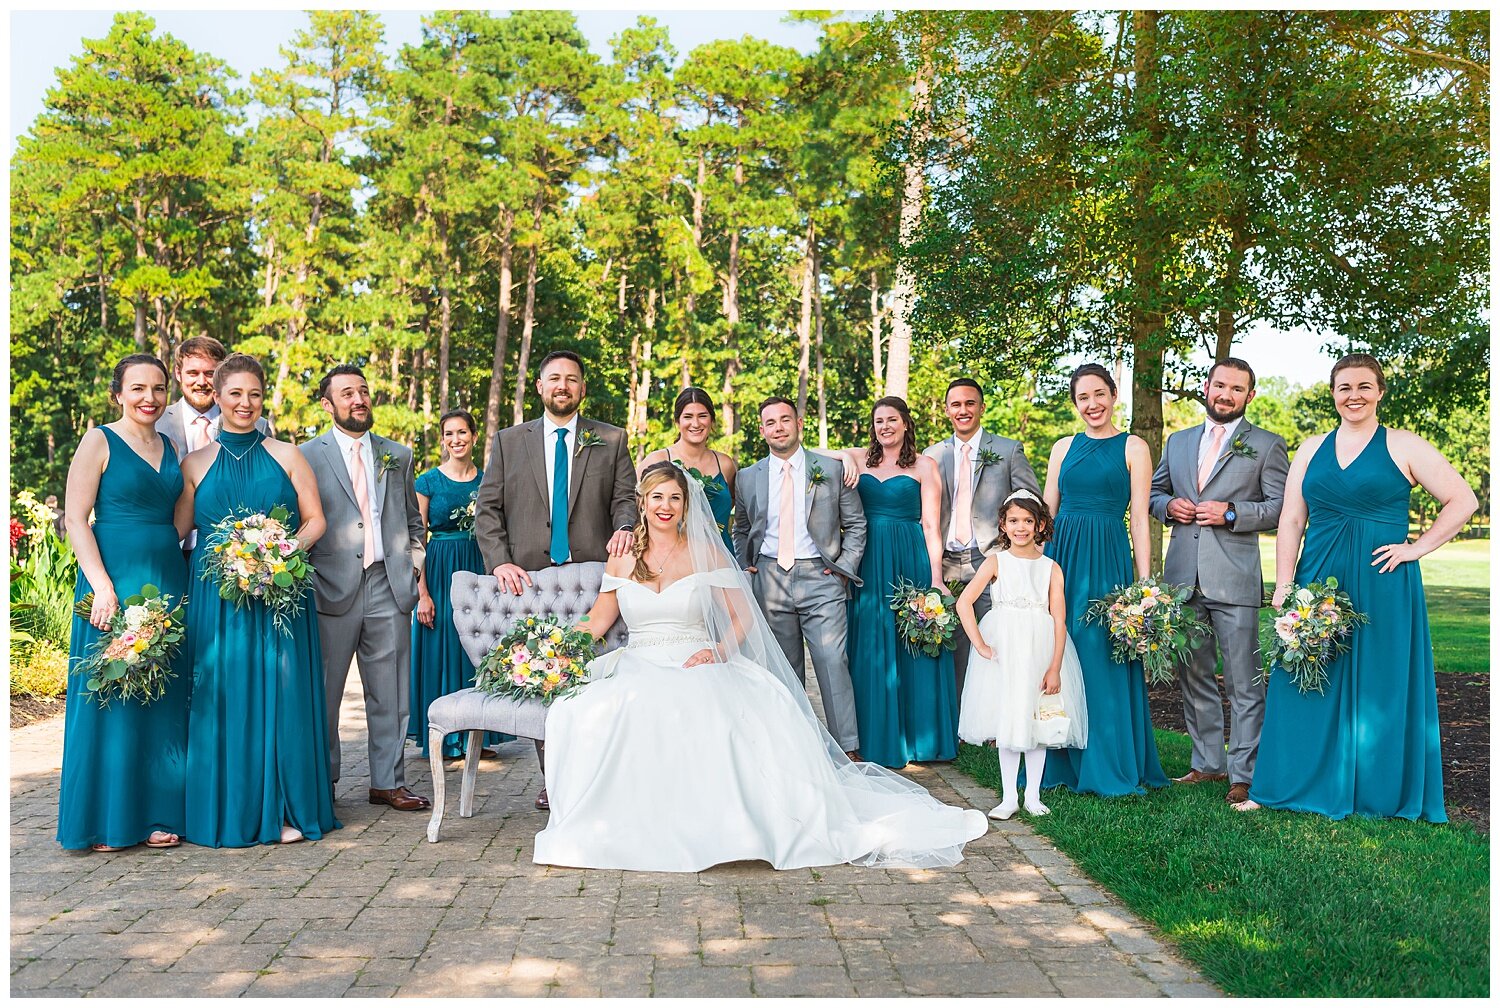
{"points": [[482, 613]]}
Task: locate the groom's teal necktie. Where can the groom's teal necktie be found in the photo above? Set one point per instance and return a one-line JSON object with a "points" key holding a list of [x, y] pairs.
{"points": [[560, 498]]}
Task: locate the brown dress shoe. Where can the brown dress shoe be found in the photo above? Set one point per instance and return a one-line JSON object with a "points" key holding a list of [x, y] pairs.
{"points": [[1237, 793], [1198, 777], [541, 801], [399, 798]]}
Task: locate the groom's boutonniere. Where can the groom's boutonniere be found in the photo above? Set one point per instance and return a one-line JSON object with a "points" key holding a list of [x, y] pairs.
{"points": [[988, 456], [388, 463], [1241, 447], [815, 475], [587, 439]]}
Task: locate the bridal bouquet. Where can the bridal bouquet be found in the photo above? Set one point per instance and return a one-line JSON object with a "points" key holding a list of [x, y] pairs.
{"points": [[537, 659], [463, 516], [925, 618], [132, 660], [256, 556], [1150, 622], [1311, 628]]}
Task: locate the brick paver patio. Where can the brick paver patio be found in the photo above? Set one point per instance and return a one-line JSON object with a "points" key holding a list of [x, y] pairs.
{"points": [[375, 910]]}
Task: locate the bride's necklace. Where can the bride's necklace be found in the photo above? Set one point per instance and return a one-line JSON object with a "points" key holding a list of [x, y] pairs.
{"points": [[670, 554]]}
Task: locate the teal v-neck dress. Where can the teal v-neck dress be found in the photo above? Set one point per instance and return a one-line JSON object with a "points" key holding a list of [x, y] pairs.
{"points": [[123, 766], [257, 736], [1369, 744], [1090, 544], [439, 665], [906, 705]]}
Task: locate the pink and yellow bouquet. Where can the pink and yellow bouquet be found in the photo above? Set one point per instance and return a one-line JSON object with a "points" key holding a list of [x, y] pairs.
{"points": [[132, 660], [255, 557], [1311, 628], [925, 618], [1149, 622], [537, 659]]}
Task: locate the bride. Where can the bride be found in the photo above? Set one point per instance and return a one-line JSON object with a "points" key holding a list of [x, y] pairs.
{"points": [[695, 744]]}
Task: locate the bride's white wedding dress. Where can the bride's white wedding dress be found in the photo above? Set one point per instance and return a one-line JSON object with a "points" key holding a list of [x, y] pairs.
{"points": [[656, 767]]}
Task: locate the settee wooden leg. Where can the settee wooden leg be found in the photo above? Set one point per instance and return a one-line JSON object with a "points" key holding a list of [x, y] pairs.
{"points": [[439, 789], [471, 773]]}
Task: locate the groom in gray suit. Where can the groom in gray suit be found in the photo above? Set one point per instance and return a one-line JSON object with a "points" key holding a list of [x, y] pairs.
{"points": [[1218, 486], [800, 532], [979, 471], [365, 572]]}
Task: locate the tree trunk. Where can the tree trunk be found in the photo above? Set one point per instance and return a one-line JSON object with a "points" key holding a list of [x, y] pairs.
{"points": [[732, 314], [643, 394], [818, 343], [632, 388], [804, 323], [140, 253], [1147, 321], [913, 193], [502, 326], [445, 312], [528, 312], [877, 370]]}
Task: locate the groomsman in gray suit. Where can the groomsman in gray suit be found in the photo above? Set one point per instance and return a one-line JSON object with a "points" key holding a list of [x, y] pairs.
{"points": [[979, 471], [557, 489], [800, 532], [366, 577], [1218, 486]]}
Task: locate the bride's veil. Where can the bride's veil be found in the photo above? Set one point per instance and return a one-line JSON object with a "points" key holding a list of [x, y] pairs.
{"points": [[739, 628]]}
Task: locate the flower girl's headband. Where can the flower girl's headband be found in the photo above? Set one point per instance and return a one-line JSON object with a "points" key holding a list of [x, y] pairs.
{"points": [[1023, 492]]}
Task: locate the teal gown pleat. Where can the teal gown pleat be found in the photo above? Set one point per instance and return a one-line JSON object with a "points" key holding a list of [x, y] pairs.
{"points": [[439, 665], [1089, 543], [906, 705], [257, 736], [721, 503], [123, 766], [1369, 744]]}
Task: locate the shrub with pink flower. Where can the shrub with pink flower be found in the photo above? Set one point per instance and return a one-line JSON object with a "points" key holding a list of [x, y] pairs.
{"points": [[1149, 622], [537, 659], [1313, 627]]}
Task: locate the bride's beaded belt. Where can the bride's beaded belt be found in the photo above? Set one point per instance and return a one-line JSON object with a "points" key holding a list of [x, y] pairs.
{"points": [[657, 640], [1022, 603]]}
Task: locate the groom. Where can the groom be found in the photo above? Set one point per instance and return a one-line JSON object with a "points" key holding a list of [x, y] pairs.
{"points": [[979, 471], [1218, 486], [801, 533], [365, 572], [556, 489]]}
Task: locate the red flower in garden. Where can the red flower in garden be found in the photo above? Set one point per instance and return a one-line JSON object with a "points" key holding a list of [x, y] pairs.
{"points": [[17, 532]]}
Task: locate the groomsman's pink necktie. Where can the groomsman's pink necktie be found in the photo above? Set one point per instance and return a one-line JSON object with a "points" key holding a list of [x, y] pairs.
{"points": [[358, 476], [197, 433], [786, 552], [1206, 467], [963, 498]]}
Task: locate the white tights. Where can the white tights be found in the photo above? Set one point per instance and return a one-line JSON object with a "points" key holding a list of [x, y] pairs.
{"points": [[1010, 767]]}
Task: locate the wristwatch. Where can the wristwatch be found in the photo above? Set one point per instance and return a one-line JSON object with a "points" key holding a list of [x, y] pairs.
{"points": [[1229, 515]]}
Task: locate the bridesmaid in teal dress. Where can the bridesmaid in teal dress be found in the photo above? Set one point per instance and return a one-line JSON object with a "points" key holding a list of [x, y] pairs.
{"points": [[1369, 743], [123, 766], [1093, 477], [694, 414], [906, 704], [439, 665], [257, 761]]}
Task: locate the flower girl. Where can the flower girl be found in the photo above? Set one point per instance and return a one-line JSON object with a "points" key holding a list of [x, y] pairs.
{"points": [[1024, 687]]}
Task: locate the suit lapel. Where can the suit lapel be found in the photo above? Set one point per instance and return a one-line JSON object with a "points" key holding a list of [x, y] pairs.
{"points": [[335, 461], [382, 482], [535, 442], [577, 462], [810, 489], [1191, 445]]}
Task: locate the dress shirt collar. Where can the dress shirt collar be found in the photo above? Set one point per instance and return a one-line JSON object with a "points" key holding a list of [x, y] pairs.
{"points": [[190, 412], [344, 441], [798, 461], [551, 427], [1229, 428], [973, 444]]}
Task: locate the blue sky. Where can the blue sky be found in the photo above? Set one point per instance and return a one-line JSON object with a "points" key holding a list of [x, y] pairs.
{"points": [[41, 41]]}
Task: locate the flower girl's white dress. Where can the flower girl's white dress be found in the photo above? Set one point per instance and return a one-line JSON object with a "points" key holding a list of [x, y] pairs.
{"points": [[1002, 695], [656, 767]]}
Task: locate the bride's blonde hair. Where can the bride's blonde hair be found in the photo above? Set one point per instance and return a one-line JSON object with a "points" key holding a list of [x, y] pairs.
{"points": [[654, 476]]}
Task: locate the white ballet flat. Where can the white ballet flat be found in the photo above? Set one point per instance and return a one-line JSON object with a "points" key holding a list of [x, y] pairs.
{"points": [[1003, 812], [1037, 809]]}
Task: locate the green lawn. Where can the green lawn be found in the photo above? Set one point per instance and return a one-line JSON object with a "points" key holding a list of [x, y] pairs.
{"points": [[1283, 904]]}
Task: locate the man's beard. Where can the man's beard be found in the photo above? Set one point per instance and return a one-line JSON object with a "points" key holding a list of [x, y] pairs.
{"points": [[550, 405], [1223, 418], [208, 399], [347, 421]]}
